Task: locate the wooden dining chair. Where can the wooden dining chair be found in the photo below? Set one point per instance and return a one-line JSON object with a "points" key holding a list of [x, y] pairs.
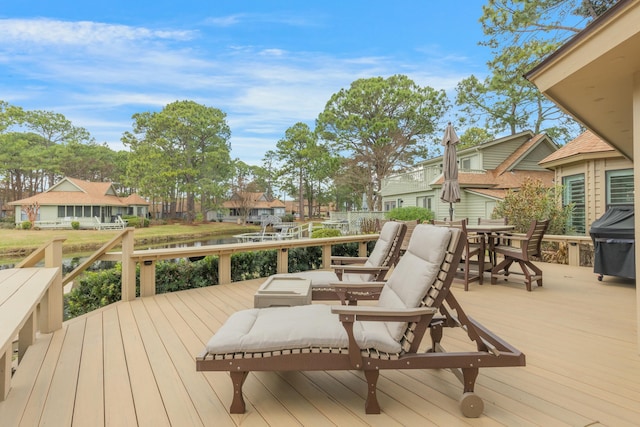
{"points": [[523, 255], [473, 254]]}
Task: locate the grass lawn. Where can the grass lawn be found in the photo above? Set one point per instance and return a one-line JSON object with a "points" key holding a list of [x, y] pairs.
{"points": [[17, 242]]}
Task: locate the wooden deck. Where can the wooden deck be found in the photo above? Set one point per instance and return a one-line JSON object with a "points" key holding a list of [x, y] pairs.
{"points": [[132, 363]]}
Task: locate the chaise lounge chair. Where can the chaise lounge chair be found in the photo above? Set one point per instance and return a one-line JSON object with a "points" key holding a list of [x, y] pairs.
{"points": [[414, 299], [375, 267]]}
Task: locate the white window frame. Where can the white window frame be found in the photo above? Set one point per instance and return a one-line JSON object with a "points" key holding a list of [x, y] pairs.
{"points": [[617, 173]]}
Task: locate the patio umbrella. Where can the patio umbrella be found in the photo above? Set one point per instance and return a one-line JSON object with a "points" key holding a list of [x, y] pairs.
{"points": [[450, 187]]}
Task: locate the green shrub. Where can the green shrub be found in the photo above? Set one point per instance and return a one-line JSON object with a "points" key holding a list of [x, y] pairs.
{"points": [[534, 201], [26, 225], [94, 290], [75, 225], [288, 218], [409, 213], [325, 232]]}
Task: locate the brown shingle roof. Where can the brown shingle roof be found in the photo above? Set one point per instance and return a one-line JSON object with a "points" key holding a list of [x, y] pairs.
{"points": [[87, 194], [135, 199], [586, 143]]}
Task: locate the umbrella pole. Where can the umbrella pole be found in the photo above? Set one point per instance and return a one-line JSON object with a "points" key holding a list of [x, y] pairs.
{"points": [[450, 211]]}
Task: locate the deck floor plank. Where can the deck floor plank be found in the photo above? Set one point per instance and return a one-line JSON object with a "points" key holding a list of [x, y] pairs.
{"points": [[177, 336], [178, 404], [40, 390], [23, 382], [58, 408], [132, 363], [89, 404], [150, 410], [119, 408]]}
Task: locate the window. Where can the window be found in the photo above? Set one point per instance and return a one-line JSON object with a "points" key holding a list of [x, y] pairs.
{"points": [[87, 211], [574, 194], [620, 187], [424, 202], [465, 164], [400, 202], [389, 205], [61, 212]]}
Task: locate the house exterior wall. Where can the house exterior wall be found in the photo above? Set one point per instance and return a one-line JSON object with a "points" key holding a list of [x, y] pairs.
{"points": [[532, 160], [595, 180]]}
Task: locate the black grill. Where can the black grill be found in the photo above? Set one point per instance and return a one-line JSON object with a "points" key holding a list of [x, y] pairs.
{"points": [[613, 236]]}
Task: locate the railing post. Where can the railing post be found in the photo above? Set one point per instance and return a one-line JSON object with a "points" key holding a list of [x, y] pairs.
{"points": [[129, 267], [224, 268], [51, 305], [326, 256], [147, 278], [362, 249], [574, 253], [282, 261]]}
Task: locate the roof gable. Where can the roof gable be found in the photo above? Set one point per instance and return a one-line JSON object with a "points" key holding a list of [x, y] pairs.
{"points": [[587, 145], [76, 192]]}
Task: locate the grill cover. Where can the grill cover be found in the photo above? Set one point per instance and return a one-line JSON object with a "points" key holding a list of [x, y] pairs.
{"points": [[614, 242]]}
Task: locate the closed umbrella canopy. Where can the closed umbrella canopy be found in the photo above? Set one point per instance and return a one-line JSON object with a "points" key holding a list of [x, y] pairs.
{"points": [[450, 187]]}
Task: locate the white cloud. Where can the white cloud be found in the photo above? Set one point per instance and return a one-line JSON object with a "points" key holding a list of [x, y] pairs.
{"points": [[54, 32]]}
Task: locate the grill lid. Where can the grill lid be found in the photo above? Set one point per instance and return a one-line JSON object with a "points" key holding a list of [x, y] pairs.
{"points": [[616, 223]]}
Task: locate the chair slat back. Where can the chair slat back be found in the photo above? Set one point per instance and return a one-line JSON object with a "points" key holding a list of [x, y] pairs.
{"points": [[534, 237], [460, 224]]}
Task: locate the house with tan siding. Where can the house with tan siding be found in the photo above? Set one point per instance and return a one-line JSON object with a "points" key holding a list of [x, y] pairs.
{"points": [[594, 177], [486, 172], [72, 199]]}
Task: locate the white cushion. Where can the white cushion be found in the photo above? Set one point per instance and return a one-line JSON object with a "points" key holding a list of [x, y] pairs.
{"points": [[416, 271], [380, 252], [281, 328]]}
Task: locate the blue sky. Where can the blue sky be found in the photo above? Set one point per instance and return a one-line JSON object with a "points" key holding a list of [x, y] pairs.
{"points": [[267, 64]]}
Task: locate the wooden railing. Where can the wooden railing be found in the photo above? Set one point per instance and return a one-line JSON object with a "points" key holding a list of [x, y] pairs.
{"points": [[147, 258], [125, 237]]}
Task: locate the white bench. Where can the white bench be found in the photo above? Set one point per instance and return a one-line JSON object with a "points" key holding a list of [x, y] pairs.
{"points": [[21, 291]]}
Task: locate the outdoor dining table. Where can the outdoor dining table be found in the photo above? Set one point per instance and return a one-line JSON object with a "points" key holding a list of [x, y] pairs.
{"points": [[490, 231]]}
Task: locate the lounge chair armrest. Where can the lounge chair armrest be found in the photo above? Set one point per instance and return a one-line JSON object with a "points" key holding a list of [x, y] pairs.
{"points": [[357, 285], [359, 268], [382, 313], [348, 260]]}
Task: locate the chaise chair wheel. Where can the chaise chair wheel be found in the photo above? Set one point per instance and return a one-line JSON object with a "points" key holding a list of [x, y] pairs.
{"points": [[471, 405]]}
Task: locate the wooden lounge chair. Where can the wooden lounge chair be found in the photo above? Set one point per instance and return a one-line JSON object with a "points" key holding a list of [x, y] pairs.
{"points": [[414, 299], [523, 255], [375, 267]]}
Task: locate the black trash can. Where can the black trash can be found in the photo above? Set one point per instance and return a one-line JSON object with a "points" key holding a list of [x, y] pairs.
{"points": [[613, 236]]}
